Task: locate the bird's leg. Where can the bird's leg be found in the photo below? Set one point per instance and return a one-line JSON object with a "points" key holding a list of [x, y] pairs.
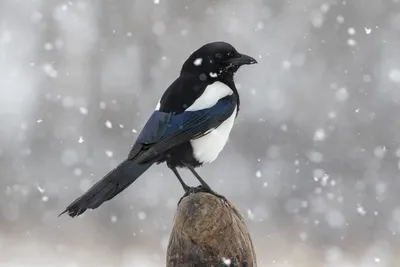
{"points": [[186, 188], [202, 182], [204, 185]]}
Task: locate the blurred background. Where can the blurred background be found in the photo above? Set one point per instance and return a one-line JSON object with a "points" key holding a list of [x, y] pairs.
{"points": [[312, 162]]}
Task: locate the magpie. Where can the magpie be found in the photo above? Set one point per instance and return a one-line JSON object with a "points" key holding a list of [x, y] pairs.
{"points": [[189, 127]]}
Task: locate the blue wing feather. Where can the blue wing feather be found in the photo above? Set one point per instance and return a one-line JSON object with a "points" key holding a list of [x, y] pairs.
{"points": [[166, 130]]}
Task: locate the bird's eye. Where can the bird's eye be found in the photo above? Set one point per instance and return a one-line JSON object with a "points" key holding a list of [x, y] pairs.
{"points": [[218, 55], [229, 54]]}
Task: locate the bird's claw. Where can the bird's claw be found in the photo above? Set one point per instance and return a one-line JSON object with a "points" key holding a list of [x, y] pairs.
{"points": [[191, 190]]}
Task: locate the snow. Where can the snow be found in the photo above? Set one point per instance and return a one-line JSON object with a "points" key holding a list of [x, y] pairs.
{"points": [[319, 135], [340, 19], [226, 261], [83, 111], [315, 156], [312, 163], [48, 46], [342, 94], [109, 153], [351, 42], [197, 61], [41, 190], [114, 219], [351, 31], [50, 70], [286, 64], [77, 171], [394, 75], [103, 105], [108, 124], [317, 19], [380, 151], [142, 215], [250, 215]]}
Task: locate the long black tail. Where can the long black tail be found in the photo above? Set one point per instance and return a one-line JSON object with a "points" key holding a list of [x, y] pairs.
{"points": [[108, 187]]}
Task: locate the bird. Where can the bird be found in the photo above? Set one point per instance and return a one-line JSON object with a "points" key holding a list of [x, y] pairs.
{"points": [[188, 128]]}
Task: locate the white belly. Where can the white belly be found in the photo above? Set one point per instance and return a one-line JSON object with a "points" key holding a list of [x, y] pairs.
{"points": [[207, 148]]}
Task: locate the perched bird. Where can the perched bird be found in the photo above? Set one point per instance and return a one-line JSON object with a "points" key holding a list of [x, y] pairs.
{"points": [[188, 128]]}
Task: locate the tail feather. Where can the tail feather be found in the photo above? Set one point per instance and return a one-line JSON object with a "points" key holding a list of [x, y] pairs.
{"points": [[108, 187]]}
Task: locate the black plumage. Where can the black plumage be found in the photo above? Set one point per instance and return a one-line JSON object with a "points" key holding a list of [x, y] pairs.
{"points": [[189, 127]]}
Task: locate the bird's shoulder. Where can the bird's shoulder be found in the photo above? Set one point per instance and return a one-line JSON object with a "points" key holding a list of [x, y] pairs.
{"points": [[182, 93]]}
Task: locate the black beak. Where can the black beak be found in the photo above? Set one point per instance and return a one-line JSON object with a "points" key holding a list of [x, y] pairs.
{"points": [[241, 59]]}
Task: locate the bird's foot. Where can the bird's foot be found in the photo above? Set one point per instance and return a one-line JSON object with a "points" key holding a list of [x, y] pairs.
{"points": [[200, 188]]}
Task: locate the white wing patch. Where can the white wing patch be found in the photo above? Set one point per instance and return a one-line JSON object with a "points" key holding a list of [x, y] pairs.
{"points": [[158, 106], [207, 148], [210, 96]]}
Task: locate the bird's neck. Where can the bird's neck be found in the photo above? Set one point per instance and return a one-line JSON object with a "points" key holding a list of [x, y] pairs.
{"points": [[228, 80]]}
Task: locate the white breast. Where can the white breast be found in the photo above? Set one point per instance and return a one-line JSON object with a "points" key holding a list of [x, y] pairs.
{"points": [[210, 96], [207, 148]]}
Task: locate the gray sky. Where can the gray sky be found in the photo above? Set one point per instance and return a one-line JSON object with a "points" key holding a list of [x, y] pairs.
{"points": [[312, 162]]}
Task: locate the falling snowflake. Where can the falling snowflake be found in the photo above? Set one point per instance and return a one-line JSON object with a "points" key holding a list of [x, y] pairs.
{"points": [[77, 172], [340, 19], [142, 215], [342, 94], [108, 124], [380, 151], [394, 75], [49, 70], [250, 215], [315, 156], [226, 261], [351, 31], [198, 61], [83, 110], [40, 189], [319, 135], [361, 210], [351, 42]]}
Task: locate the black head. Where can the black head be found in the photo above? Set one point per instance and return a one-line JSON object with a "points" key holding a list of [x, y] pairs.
{"points": [[215, 60]]}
